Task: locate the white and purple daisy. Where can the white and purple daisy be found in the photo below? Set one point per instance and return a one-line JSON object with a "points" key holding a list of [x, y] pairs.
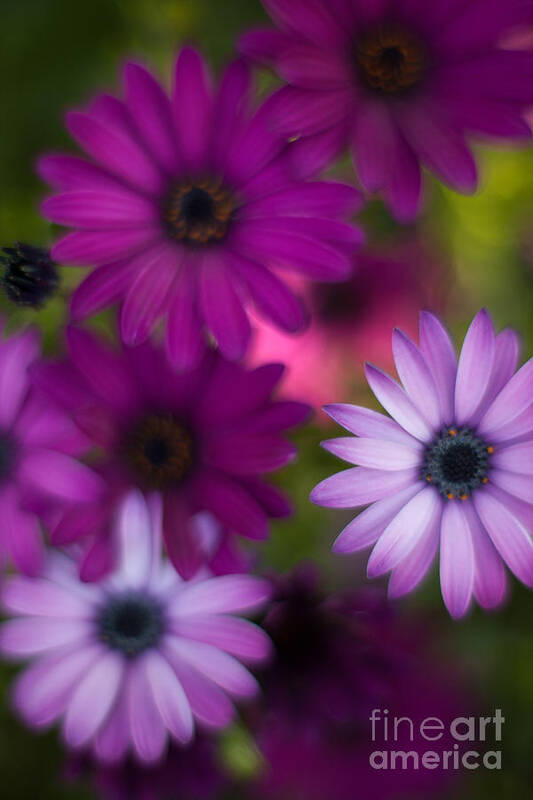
{"points": [[452, 468], [188, 211], [400, 82], [139, 657]]}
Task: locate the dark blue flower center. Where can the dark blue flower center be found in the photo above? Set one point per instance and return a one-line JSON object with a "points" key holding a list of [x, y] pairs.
{"points": [[198, 212], [131, 623], [457, 462], [29, 275], [390, 59], [160, 450]]}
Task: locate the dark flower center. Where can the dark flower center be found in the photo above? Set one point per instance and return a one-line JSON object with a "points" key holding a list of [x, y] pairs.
{"points": [[457, 463], [198, 212], [338, 302], [29, 275], [6, 457], [160, 450], [131, 623], [390, 60]]}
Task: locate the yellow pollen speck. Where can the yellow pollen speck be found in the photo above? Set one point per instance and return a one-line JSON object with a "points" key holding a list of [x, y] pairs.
{"points": [[450, 496], [464, 497], [428, 478], [485, 480], [452, 432], [490, 449]]}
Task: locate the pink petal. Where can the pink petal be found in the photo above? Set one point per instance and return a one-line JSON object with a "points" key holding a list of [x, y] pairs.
{"points": [[147, 728], [31, 636], [148, 295], [61, 476], [16, 356], [490, 578], [375, 453], [21, 534], [365, 422], [71, 173], [113, 737], [222, 595], [209, 704], [513, 399], [101, 210], [134, 534], [217, 666], [88, 248], [410, 572], [235, 636], [103, 287], [184, 341], [41, 597], [231, 504]]}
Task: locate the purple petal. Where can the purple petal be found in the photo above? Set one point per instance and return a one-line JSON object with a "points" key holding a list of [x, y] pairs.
{"points": [[93, 699], [31, 636], [223, 309], [235, 636], [41, 597], [134, 534], [518, 485], [410, 572], [42, 691], [148, 294], [169, 697], [233, 393], [227, 500], [366, 528], [311, 154], [271, 296], [457, 566], [375, 453], [185, 344], [404, 531], [151, 110], [416, 377], [365, 422], [103, 287], [21, 534], [300, 112], [490, 578], [88, 248], [222, 595], [261, 239], [508, 535], [313, 21], [474, 368], [217, 666], [182, 541], [310, 67], [113, 737], [148, 731], [232, 106], [101, 210], [262, 44], [313, 199], [439, 353], [515, 458], [61, 476], [248, 453], [193, 108], [16, 355], [359, 486], [70, 174], [209, 704], [112, 150], [394, 400]]}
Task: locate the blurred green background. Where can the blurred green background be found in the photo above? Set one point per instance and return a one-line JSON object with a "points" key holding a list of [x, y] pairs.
{"points": [[54, 54]]}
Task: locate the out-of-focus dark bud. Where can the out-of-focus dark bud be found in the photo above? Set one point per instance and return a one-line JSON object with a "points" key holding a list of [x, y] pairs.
{"points": [[28, 275]]}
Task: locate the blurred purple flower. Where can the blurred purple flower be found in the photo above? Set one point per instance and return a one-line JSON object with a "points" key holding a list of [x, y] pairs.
{"points": [[401, 82], [136, 657], [188, 209], [203, 439], [38, 446], [337, 659], [453, 467], [191, 773]]}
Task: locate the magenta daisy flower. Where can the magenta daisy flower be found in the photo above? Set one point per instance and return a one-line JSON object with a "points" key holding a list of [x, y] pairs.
{"points": [[187, 210], [453, 467], [204, 439], [401, 82], [39, 444], [138, 657]]}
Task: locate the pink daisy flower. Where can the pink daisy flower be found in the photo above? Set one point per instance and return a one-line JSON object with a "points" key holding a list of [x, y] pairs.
{"points": [[452, 468], [204, 439], [353, 317], [139, 657], [401, 82], [187, 209], [39, 444]]}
